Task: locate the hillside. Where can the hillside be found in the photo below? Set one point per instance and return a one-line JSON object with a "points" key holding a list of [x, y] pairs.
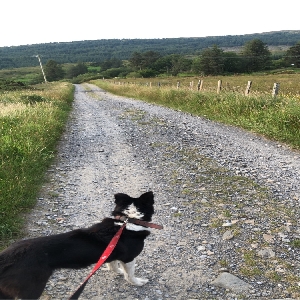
{"points": [[99, 50]]}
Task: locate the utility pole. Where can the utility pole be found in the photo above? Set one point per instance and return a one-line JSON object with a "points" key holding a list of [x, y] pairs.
{"points": [[42, 68]]}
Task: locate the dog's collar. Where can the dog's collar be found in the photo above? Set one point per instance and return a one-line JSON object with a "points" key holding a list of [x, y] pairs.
{"points": [[138, 222]]}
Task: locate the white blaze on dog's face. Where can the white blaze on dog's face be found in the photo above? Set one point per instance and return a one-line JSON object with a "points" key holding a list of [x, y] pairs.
{"points": [[132, 212]]}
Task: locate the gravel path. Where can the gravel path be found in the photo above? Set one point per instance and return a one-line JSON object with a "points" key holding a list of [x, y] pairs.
{"points": [[228, 200]]}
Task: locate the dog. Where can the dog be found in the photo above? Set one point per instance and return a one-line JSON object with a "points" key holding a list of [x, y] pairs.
{"points": [[26, 265]]}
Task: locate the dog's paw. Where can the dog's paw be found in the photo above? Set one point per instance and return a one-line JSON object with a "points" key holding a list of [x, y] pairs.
{"points": [[138, 281]]}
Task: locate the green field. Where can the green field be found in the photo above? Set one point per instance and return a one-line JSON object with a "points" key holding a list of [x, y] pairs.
{"points": [[28, 75]]}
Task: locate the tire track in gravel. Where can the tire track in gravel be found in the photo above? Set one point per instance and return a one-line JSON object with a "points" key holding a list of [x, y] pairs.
{"points": [[113, 144]]}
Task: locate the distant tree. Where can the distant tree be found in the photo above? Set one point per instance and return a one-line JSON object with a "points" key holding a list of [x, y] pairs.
{"points": [[292, 56], [163, 64], [144, 60], [78, 69], [233, 63], [212, 61], [147, 73], [278, 63], [256, 55], [136, 60], [185, 64], [178, 63], [111, 63], [196, 66], [149, 58], [116, 72], [53, 70]]}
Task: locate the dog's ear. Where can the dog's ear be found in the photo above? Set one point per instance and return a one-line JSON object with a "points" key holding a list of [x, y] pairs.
{"points": [[147, 198], [123, 199]]}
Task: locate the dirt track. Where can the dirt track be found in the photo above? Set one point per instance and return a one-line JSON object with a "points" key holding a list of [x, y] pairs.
{"points": [[203, 175]]}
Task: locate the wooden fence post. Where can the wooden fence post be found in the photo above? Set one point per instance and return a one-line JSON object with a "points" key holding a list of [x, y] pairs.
{"points": [[275, 90], [219, 86], [247, 91], [198, 85]]}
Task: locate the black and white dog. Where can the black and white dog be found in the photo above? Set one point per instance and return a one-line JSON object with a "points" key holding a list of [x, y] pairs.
{"points": [[26, 266]]}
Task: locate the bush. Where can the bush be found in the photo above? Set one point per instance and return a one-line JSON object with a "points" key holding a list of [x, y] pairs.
{"points": [[76, 70], [147, 73], [85, 77], [134, 75], [10, 85], [115, 72]]}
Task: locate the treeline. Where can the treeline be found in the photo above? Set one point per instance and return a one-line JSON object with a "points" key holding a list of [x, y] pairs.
{"points": [[122, 49], [253, 57]]}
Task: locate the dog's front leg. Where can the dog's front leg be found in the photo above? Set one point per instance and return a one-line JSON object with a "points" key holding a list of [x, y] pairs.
{"points": [[129, 273], [115, 267]]}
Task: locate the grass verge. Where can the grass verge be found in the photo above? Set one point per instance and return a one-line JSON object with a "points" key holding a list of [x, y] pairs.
{"points": [[31, 122]]}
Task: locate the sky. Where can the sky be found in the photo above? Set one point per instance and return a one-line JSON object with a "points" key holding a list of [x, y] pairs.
{"points": [[25, 22]]}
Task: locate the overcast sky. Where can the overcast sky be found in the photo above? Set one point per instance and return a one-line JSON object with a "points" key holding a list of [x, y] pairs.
{"points": [[24, 22]]}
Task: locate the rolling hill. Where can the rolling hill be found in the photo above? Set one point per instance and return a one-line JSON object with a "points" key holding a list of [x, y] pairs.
{"points": [[99, 50]]}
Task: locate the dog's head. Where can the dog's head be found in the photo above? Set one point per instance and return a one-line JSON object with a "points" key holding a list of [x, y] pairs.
{"points": [[137, 208]]}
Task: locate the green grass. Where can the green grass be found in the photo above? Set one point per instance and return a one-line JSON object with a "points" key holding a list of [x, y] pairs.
{"points": [[27, 75], [295, 243], [31, 122], [276, 118]]}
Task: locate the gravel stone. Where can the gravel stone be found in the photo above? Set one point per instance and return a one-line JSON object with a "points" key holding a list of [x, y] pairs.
{"points": [[201, 172], [227, 280]]}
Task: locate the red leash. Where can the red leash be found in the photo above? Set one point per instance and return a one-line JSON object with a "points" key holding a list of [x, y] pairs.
{"points": [[107, 252]]}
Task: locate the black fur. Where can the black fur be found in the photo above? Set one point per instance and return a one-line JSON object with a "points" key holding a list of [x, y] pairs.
{"points": [[26, 266]]}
